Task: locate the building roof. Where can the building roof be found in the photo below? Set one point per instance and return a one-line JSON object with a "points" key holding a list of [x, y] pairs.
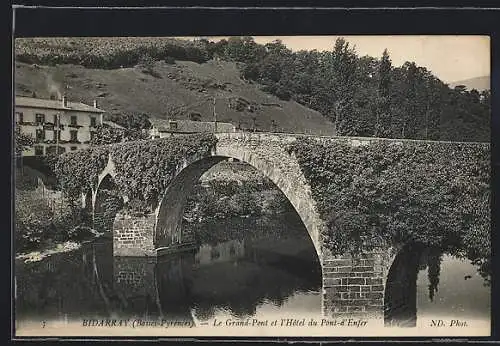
{"points": [[54, 104], [190, 126]]}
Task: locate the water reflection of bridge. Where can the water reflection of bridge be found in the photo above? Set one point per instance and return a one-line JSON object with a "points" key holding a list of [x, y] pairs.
{"points": [[178, 283], [223, 275], [92, 283]]}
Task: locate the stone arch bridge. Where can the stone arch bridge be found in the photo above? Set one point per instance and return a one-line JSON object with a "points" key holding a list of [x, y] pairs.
{"points": [[351, 286]]}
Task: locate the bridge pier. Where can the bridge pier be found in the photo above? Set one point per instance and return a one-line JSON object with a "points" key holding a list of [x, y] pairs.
{"points": [[354, 287], [133, 235]]}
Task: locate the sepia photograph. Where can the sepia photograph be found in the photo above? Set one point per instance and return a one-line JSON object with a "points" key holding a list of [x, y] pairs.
{"points": [[328, 185]]}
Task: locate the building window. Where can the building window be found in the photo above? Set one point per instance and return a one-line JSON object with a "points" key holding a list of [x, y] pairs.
{"points": [[19, 116], [93, 121], [73, 120], [40, 118], [74, 135], [73, 148], [40, 135], [173, 125], [38, 150]]}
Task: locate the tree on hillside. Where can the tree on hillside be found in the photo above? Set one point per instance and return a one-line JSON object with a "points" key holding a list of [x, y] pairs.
{"points": [[22, 142], [409, 114], [304, 74], [147, 65], [243, 49], [276, 70], [216, 50], [363, 115], [341, 84], [383, 111]]}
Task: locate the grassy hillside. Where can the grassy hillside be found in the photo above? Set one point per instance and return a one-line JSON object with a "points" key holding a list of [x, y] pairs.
{"points": [[175, 91]]}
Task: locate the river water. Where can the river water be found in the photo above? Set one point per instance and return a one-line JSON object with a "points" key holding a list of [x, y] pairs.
{"points": [[243, 267]]}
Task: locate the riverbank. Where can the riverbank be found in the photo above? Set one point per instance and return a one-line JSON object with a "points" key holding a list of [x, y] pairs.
{"points": [[55, 248]]}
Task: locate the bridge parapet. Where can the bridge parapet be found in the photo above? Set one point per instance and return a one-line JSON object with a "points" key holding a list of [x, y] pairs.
{"points": [[355, 141], [285, 138]]}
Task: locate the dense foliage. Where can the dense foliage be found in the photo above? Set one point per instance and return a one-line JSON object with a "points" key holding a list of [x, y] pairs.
{"points": [[144, 168], [22, 142], [221, 199], [109, 135], [42, 225], [105, 52], [436, 194], [77, 172]]}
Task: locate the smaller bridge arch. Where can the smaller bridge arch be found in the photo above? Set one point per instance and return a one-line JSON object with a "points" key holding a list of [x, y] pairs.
{"points": [[108, 170]]}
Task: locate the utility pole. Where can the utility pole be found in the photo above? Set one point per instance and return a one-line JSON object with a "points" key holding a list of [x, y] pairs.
{"points": [[57, 132], [215, 115]]}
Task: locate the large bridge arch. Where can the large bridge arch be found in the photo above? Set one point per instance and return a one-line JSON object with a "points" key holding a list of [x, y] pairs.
{"points": [[168, 228]]}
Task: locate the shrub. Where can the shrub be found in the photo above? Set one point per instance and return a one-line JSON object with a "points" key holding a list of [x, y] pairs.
{"points": [[170, 60], [79, 233], [31, 230], [147, 64], [32, 225]]}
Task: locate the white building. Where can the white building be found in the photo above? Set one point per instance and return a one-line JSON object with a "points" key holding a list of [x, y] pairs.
{"points": [[56, 125]]}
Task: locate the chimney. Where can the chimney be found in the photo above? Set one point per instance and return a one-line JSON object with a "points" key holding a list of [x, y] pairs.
{"points": [[95, 103]]}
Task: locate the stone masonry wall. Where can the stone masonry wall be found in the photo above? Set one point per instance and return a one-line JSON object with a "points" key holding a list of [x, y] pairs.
{"points": [[133, 235], [355, 286]]}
